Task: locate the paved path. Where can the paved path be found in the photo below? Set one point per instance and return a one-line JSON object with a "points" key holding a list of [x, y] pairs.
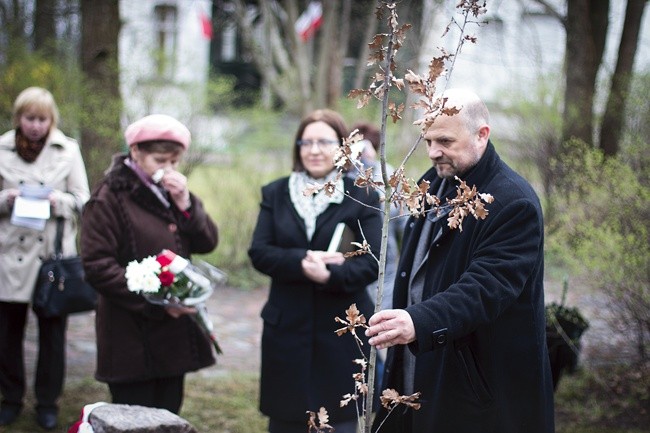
{"points": [[234, 312]]}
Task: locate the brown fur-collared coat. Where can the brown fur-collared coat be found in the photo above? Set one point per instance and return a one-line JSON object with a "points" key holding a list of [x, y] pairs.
{"points": [[124, 221]]}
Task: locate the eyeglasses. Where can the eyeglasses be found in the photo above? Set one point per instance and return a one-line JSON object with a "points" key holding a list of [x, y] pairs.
{"points": [[321, 143]]}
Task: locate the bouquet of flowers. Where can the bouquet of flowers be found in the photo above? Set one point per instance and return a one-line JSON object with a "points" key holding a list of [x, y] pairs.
{"points": [[169, 279]]}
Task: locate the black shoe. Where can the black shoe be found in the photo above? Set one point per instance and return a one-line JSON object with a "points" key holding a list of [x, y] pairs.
{"points": [[46, 418], [8, 414]]}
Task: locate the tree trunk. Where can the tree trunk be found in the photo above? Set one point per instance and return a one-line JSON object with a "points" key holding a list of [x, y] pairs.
{"points": [[422, 41], [327, 46], [303, 57], [100, 128], [12, 27], [361, 72], [336, 67], [44, 30], [586, 28], [613, 119]]}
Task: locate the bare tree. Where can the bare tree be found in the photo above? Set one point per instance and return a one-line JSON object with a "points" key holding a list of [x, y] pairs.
{"points": [[44, 26], [299, 74], [587, 23], [12, 27], [613, 120]]}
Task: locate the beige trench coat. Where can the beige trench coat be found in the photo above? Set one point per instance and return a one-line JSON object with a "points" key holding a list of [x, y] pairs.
{"points": [[59, 166]]}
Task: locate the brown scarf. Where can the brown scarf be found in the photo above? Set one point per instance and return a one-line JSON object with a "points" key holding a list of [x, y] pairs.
{"points": [[28, 150]]}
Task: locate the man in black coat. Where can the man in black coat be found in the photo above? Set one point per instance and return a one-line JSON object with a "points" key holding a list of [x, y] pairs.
{"points": [[468, 328]]}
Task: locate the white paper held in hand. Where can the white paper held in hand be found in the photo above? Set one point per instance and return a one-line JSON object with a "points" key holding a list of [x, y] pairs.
{"points": [[30, 213]]}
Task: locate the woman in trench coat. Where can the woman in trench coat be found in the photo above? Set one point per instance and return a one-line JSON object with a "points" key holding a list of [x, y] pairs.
{"points": [[37, 157]]}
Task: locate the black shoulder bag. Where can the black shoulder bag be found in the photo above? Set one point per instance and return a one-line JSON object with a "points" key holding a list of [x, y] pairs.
{"points": [[61, 288]]}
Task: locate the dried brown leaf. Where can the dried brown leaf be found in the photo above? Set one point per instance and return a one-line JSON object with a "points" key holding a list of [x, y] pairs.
{"points": [[391, 398], [323, 420], [353, 319]]}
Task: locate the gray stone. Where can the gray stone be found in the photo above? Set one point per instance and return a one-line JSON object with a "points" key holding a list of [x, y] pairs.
{"points": [[122, 418]]}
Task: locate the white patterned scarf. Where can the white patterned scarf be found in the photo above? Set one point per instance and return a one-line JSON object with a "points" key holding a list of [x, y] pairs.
{"points": [[309, 207]]}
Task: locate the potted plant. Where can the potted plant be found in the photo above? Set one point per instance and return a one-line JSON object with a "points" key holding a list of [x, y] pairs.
{"points": [[564, 327]]}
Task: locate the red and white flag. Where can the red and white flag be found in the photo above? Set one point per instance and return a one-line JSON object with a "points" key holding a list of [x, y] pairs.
{"points": [[206, 25], [309, 21]]}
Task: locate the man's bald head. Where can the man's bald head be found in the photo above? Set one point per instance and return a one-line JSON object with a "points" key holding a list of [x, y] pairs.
{"points": [[473, 111], [456, 142]]}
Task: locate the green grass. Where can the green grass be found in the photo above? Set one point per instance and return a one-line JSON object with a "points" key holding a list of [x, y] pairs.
{"points": [[613, 400], [224, 404], [229, 404], [75, 396]]}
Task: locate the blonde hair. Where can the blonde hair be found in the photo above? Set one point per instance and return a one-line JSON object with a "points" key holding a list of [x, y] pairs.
{"points": [[37, 100]]}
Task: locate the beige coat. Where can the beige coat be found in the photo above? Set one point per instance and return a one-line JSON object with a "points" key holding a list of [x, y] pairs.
{"points": [[60, 167]]}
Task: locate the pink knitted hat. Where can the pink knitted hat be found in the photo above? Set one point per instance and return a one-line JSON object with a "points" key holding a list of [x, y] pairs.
{"points": [[157, 127]]}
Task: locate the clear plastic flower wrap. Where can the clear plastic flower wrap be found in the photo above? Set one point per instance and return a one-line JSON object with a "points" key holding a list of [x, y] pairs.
{"points": [[168, 279]]}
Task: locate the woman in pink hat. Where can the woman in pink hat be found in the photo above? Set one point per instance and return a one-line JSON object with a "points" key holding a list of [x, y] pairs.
{"points": [[141, 207]]}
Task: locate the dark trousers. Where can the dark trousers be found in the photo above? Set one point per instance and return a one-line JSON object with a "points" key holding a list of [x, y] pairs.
{"points": [[50, 368], [162, 393]]}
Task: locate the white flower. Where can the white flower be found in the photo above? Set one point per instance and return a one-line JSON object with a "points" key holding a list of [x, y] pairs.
{"points": [[150, 265], [143, 276], [150, 283]]}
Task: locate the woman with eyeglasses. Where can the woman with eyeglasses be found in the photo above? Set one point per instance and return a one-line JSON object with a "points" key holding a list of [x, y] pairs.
{"points": [[305, 365]]}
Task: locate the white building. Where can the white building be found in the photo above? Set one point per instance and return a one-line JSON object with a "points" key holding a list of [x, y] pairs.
{"points": [[164, 53], [522, 44]]}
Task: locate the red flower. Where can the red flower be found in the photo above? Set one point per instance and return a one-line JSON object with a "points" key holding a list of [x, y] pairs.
{"points": [[166, 278]]}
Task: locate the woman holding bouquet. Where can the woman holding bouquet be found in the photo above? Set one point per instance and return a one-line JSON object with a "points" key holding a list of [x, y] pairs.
{"points": [[305, 365], [141, 207]]}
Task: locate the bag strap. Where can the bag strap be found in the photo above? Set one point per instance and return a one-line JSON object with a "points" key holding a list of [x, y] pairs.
{"points": [[58, 240]]}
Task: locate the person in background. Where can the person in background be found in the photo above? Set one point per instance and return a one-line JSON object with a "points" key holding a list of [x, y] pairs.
{"points": [[468, 327], [144, 350], [36, 159], [305, 365]]}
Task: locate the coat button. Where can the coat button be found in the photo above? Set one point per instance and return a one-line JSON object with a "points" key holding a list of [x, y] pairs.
{"points": [[20, 259], [439, 337], [402, 274], [21, 238], [172, 227], [40, 238], [411, 225]]}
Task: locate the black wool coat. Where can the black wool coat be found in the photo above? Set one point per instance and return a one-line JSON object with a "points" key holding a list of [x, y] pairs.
{"points": [[305, 365], [124, 221], [481, 358]]}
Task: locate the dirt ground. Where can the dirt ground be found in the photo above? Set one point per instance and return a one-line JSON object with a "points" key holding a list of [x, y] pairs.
{"points": [[234, 312]]}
